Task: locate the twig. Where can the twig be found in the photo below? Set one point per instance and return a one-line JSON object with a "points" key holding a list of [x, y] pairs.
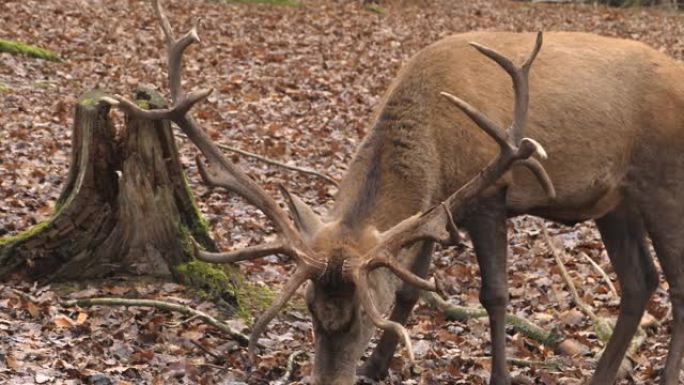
{"points": [[285, 379], [303, 170], [206, 349], [25, 296], [602, 327], [182, 322], [214, 366], [556, 252], [603, 274], [169, 306]]}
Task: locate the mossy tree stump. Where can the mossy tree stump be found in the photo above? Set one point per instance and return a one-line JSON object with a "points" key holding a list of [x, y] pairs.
{"points": [[125, 208]]}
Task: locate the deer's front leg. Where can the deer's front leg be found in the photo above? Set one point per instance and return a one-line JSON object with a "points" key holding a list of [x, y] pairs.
{"points": [[487, 229], [406, 297]]}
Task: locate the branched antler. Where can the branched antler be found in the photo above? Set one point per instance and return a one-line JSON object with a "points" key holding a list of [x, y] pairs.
{"points": [[220, 172], [437, 224]]}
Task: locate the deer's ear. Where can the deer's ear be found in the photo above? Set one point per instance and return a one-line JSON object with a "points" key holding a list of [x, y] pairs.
{"points": [[307, 221]]}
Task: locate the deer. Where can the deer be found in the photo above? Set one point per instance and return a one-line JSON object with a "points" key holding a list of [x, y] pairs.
{"points": [[606, 110]]}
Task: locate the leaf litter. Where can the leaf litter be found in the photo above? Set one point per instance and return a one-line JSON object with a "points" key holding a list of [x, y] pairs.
{"points": [[298, 85]]}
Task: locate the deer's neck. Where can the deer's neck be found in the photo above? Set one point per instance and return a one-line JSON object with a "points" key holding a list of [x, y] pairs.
{"points": [[392, 176]]}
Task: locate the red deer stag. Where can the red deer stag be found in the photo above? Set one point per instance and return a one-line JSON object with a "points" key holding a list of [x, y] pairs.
{"points": [[608, 111]]}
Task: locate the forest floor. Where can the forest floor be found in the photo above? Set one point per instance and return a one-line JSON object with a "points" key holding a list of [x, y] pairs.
{"points": [[297, 84]]}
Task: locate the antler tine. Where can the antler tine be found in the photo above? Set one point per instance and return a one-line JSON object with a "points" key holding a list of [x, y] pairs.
{"points": [[164, 22], [175, 62], [540, 173], [512, 140], [245, 254], [480, 119], [520, 83], [363, 291], [533, 55], [178, 110], [384, 259], [175, 50], [300, 276]]}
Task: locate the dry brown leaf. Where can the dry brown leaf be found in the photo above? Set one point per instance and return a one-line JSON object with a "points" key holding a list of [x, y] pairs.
{"points": [[82, 317], [62, 321]]}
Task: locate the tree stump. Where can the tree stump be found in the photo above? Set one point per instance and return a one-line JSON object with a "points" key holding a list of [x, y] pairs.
{"points": [[126, 206]]}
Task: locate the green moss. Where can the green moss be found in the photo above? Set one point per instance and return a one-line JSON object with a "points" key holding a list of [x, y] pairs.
{"points": [[4, 88], [603, 329], [91, 98], [15, 47], [375, 9], [187, 244], [221, 283], [281, 3], [87, 102], [216, 281], [211, 278], [42, 84], [25, 234], [251, 297], [142, 103], [154, 98], [198, 224]]}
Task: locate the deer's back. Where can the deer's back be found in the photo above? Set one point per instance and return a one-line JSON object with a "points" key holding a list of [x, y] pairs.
{"points": [[598, 105]]}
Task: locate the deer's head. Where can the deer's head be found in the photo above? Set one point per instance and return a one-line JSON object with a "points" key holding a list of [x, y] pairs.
{"points": [[349, 292]]}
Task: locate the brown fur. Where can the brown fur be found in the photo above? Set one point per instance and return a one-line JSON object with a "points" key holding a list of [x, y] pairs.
{"points": [[609, 114]]}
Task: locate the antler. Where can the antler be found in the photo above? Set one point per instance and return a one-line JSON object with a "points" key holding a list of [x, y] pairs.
{"points": [[220, 172], [437, 223]]}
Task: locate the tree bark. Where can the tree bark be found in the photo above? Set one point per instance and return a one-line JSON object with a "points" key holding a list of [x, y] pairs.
{"points": [[125, 208]]}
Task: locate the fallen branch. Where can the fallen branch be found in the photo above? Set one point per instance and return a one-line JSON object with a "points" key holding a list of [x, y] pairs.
{"points": [[169, 306], [453, 312], [303, 170], [554, 363]]}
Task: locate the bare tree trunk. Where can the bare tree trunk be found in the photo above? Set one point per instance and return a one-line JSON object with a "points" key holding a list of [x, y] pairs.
{"points": [[125, 208]]}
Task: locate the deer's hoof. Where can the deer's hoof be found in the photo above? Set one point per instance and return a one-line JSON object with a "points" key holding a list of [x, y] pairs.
{"points": [[372, 370]]}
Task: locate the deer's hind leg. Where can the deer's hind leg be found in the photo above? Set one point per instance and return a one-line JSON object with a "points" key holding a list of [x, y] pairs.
{"points": [[664, 215], [624, 236]]}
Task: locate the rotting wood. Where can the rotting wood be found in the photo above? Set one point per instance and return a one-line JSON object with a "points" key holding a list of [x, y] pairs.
{"points": [[125, 206]]}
